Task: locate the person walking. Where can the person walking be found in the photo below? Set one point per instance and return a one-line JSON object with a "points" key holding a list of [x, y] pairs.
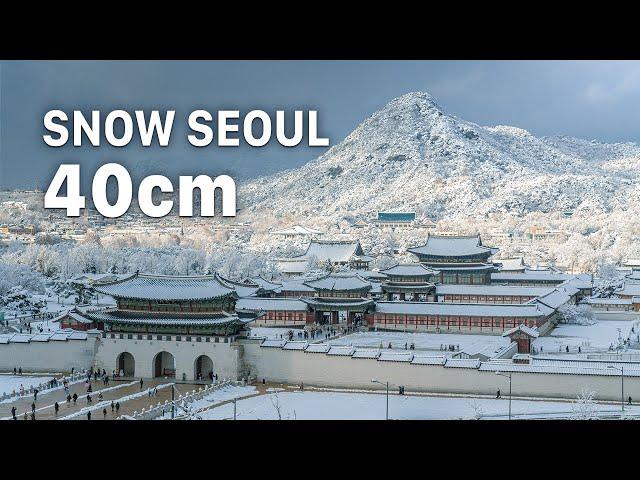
{"points": [[56, 407], [89, 415], [13, 412], [104, 413], [33, 407], [498, 394], [113, 406], [75, 398], [141, 384], [117, 407]]}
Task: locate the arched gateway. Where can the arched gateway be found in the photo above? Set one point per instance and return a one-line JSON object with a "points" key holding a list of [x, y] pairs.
{"points": [[203, 368], [126, 364], [164, 365]]}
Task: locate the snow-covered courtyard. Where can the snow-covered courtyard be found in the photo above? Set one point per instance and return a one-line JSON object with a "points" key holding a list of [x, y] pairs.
{"points": [[9, 383], [324, 405], [601, 335], [422, 341]]}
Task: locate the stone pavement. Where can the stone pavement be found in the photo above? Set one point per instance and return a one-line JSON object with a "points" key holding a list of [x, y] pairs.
{"points": [[116, 390]]}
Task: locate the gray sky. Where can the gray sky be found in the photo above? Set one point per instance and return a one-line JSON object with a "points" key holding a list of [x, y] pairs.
{"points": [[588, 99]]}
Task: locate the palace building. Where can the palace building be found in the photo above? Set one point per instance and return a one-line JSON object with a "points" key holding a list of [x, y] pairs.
{"points": [[459, 259], [409, 281], [334, 253], [169, 326]]}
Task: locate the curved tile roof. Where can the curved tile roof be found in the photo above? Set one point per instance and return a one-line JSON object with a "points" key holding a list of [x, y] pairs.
{"points": [[165, 287]]}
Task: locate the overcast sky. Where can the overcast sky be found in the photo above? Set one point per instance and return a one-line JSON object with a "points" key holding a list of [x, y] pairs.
{"points": [[594, 100]]}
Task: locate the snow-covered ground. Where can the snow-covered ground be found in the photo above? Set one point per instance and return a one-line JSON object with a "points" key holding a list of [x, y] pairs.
{"points": [[218, 396], [371, 406], [9, 383], [600, 335], [275, 332], [422, 341]]}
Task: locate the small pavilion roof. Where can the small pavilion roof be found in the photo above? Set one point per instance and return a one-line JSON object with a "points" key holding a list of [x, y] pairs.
{"points": [[531, 332]]}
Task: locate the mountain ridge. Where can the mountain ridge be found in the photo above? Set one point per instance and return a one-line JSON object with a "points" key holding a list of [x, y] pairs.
{"points": [[411, 154]]}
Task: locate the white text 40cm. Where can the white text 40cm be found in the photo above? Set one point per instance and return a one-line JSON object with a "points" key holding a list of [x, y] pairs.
{"points": [[73, 202]]}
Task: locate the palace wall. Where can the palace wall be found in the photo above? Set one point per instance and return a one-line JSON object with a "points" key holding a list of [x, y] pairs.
{"points": [[51, 356], [225, 356], [319, 369]]}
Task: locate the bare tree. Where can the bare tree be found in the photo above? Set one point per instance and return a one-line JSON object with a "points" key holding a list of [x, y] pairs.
{"points": [[584, 407]]}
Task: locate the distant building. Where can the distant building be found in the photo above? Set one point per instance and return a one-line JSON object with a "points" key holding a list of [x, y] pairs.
{"points": [[401, 220], [335, 253], [512, 265], [297, 231]]}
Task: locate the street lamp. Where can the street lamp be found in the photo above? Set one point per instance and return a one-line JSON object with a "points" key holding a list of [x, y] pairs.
{"points": [[508, 375], [621, 370], [373, 380]]}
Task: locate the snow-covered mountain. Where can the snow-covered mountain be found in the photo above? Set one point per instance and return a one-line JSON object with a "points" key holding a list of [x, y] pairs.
{"points": [[413, 155]]}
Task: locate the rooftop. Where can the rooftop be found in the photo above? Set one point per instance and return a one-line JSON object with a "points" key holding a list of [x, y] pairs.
{"points": [[452, 246], [166, 287], [410, 270]]}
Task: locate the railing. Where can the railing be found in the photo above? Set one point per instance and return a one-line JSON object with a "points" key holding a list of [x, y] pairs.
{"points": [[42, 387], [160, 409]]}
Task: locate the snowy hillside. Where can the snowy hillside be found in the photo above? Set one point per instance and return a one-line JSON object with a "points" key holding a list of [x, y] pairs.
{"points": [[413, 155]]}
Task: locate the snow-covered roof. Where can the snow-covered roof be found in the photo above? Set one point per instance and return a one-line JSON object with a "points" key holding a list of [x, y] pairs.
{"points": [[531, 276], [410, 270], [395, 356], [610, 301], [532, 332], [265, 304], [556, 298], [500, 290], [462, 309], [292, 265], [294, 286], [452, 246], [372, 274], [341, 350], [333, 250], [243, 289], [462, 363], [295, 345], [318, 348], [366, 353], [512, 264], [59, 335], [419, 359], [273, 342], [629, 289], [340, 282], [297, 230], [168, 318], [266, 285], [166, 287], [558, 367]]}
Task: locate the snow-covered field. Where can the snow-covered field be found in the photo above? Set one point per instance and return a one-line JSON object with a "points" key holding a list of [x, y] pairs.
{"points": [[600, 335], [218, 396], [9, 383], [422, 341], [275, 332], [371, 406]]}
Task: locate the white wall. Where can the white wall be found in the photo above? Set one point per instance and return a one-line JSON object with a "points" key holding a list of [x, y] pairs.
{"points": [[52, 356], [275, 364], [225, 356]]}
